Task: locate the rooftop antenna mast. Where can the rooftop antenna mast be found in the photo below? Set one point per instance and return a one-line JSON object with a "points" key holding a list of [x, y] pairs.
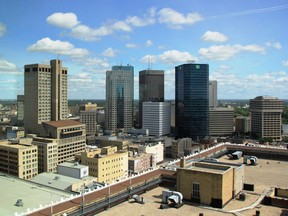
{"points": [[149, 64]]}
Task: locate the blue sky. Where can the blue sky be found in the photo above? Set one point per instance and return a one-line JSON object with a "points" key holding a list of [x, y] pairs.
{"points": [[244, 42]]}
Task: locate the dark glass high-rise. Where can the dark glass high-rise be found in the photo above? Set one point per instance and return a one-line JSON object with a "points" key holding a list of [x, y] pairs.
{"points": [[192, 101]]}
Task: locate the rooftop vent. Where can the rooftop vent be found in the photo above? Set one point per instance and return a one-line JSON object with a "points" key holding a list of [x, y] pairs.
{"points": [[19, 203]]}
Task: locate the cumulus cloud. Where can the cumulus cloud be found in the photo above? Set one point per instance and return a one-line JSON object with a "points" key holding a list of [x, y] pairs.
{"points": [[175, 19], [214, 37], [224, 52], [8, 68], [57, 47], [131, 45], [234, 85], [2, 29], [63, 20], [109, 52], [149, 43], [148, 19], [170, 57], [285, 63], [275, 45], [95, 62]]}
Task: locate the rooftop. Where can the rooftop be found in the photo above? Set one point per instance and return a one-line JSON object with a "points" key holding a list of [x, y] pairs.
{"points": [[63, 123], [75, 165], [32, 195]]}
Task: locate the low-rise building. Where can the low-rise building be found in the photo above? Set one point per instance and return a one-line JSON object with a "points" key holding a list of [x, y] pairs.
{"points": [[18, 159], [105, 141], [107, 164], [210, 183], [140, 162], [183, 147]]}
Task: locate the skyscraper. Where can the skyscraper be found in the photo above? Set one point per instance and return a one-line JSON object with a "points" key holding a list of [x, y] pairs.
{"points": [[192, 101], [213, 102], [46, 94], [151, 88], [119, 98], [266, 119]]}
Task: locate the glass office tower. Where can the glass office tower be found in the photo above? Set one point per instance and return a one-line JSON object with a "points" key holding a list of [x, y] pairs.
{"points": [[192, 101], [119, 98], [151, 88]]}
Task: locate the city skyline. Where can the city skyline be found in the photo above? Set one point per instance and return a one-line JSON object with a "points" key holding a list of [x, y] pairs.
{"points": [[244, 43]]}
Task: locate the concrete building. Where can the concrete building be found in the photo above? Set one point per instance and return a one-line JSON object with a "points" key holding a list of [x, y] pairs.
{"points": [[107, 164], [155, 148], [151, 88], [73, 169], [15, 133], [46, 94], [138, 163], [47, 154], [119, 98], [210, 183], [18, 159], [63, 140], [192, 101], [89, 118], [221, 121], [20, 110], [89, 107], [266, 117], [242, 124], [213, 99], [156, 118], [105, 141], [184, 147]]}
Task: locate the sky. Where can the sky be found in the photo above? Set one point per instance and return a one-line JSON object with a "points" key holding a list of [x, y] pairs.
{"points": [[245, 42]]}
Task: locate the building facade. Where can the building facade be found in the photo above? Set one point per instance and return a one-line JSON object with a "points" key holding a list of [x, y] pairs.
{"points": [[213, 100], [89, 118], [242, 124], [221, 121], [151, 88], [209, 183], [139, 163], [156, 118], [107, 164], [192, 101], [63, 139], [266, 117], [45, 94], [18, 159], [119, 98]]}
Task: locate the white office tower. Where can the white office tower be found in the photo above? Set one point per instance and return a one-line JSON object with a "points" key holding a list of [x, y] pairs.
{"points": [[157, 118]]}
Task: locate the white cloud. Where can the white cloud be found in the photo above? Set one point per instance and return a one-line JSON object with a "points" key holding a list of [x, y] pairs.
{"points": [[131, 45], [175, 19], [2, 29], [234, 85], [148, 19], [170, 57], [57, 47], [149, 43], [285, 63], [63, 20], [95, 62], [275, 45], [224, 52], [8, 68], [109, 52], [214, 37]]}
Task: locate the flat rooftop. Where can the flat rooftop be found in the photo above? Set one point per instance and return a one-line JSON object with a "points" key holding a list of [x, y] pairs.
{"points": [[32, 195], [73, 165]]}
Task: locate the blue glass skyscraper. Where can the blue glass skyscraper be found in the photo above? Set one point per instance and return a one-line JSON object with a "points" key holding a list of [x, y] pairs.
{"points": [[192, 101]]}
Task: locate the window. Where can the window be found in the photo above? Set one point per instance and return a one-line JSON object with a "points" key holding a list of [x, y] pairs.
{"points": [[195, 190]]}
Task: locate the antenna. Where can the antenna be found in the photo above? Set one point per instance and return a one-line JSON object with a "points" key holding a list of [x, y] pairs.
{"points": [[149, 64]]}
